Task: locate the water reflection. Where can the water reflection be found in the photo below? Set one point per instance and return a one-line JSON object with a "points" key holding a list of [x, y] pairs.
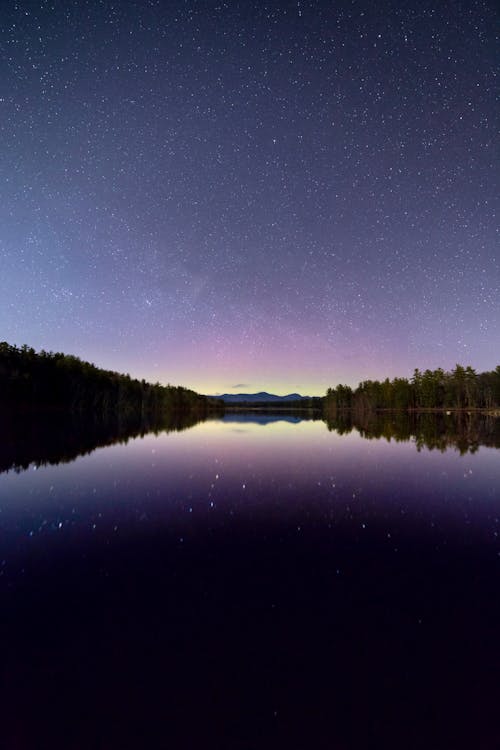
{"points": [[42, 439], [54, 438], [257, 567], [462, 431], [269, 417]]}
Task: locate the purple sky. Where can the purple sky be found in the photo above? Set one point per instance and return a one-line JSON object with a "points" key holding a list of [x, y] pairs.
{"points": [[247, 196]]}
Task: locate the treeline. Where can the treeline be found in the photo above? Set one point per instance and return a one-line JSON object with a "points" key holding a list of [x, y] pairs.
{"points": [[48, 380], [462, 388]]}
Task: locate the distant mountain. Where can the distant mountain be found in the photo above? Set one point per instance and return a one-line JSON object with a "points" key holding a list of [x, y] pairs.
{"points": [[234, 398]]}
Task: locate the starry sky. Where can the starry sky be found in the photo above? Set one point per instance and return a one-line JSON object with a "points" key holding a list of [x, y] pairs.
{"points": [[245, 196]]}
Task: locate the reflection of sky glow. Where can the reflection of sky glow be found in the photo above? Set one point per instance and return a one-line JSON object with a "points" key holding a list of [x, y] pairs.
{"points": [[215, 468]]}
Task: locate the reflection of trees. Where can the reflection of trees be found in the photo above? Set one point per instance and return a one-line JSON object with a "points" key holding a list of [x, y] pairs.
{"points": [[462, 431], [54, 438], [55, 407]]}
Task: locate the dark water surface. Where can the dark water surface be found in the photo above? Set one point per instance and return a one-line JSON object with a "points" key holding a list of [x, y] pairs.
{"points": [[252, 582]]}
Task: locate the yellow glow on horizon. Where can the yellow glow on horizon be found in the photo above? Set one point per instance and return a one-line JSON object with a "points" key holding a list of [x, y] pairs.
{"points": [[275, 388]]}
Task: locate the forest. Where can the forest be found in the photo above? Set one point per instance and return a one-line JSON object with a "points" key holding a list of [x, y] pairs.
{"points": [[462, 388], [48, 381], [56, 381]]}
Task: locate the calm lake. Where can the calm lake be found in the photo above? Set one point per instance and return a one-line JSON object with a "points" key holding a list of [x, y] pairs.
{"points": [[251, 581]]}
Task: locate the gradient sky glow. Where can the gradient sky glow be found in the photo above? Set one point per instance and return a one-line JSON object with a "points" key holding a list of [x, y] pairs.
{"points": [[247, 196]]}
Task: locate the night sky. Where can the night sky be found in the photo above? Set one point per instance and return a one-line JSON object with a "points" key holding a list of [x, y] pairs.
{"points": [[247, 195]]}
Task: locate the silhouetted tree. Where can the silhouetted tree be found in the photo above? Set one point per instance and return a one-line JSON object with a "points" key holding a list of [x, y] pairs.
{"points": [[462, 388], [59, 381]]}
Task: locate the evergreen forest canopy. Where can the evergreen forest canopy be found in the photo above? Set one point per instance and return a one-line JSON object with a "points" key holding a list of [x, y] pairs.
{"points": [[48, 380], [462, 388]]}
